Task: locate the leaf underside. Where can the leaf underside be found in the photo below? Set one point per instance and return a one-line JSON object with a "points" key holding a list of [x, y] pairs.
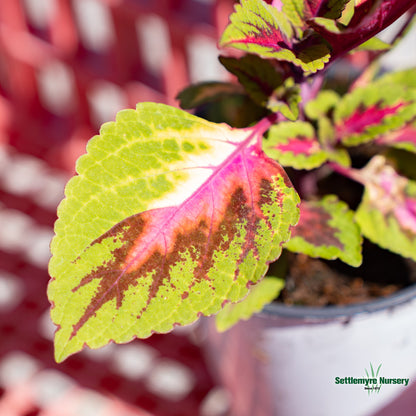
{"points": [[195, 213]]}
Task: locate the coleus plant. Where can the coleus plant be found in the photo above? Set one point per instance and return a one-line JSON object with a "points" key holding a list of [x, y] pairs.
{"points": [[173, 216]]}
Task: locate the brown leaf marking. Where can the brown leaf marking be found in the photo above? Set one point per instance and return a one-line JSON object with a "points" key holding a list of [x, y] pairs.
{"points": [[314, 227]]}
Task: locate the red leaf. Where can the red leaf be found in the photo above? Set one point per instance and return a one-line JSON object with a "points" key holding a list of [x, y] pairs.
{"points": [[364, 26]]}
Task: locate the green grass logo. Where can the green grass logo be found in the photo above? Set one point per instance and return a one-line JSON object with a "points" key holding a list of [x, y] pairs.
{"points": [[373, 385]]}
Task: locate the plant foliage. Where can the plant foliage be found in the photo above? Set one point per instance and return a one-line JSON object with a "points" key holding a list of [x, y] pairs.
{"points": [[172, 216]]}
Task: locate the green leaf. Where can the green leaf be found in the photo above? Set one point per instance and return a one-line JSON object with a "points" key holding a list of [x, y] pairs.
{"points": [[313, 55], [295, 11], [259, 28], [169, 218], [260, 295], [347, 13], [406, 78], [335, 8], [327, 229], [328, 24], [294, 144], [373, 44], [325, 101], [387, 213]]}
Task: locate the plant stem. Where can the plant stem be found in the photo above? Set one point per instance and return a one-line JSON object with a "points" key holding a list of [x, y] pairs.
{"points": [[350, 173], [264, 124], [309, 90]]}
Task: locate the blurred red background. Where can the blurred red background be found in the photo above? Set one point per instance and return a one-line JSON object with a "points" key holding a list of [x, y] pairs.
{"points": [[67, 66]]}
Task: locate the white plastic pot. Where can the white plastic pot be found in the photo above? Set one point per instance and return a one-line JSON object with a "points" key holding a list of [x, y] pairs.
{"points": [[285, 360]]}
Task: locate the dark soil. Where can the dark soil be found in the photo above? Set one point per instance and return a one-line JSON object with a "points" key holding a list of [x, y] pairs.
{"points": [[315, 282]]}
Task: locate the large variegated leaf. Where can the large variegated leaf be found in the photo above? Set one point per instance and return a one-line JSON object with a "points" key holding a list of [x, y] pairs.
{"points": [[369, 112], [294, 144], [327, 229], [170, 218], [260, 28], [260, 295], [387, 213]]}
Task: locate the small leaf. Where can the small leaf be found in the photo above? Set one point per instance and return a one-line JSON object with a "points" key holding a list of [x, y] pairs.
{"points": [[259, 28], [325, 101], [313, 55], [387, 213], [334, 8], [257, 25], [206, 92], [331, 9], [347, 13], [221, 102], [374, 44], [371, 111], [327, 229], [260, 295], [329, 25], [294, 144], [170, 217]]}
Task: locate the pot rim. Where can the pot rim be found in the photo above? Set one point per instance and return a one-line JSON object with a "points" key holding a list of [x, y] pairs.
{"points": [[400, 297]]}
